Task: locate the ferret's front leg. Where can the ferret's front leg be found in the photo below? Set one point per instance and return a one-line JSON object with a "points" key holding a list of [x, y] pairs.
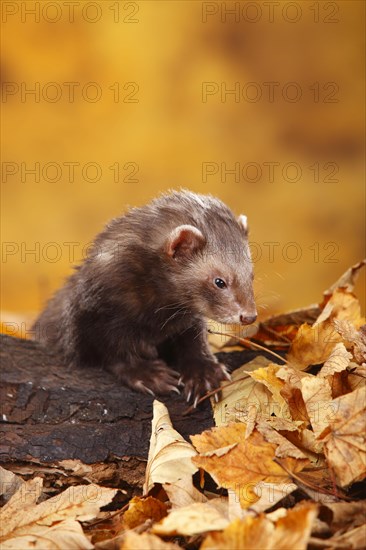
{"points": [[200, 370], [143, 371]]}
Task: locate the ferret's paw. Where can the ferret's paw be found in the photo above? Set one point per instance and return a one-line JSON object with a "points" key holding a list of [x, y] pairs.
{"points": [[205, 378], [147, 376]]}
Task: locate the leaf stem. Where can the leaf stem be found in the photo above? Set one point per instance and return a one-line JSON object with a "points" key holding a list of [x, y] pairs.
{"points": [[247, 342]]}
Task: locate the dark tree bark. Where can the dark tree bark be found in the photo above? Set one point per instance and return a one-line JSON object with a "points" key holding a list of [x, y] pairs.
{"points": [[50, 413]]}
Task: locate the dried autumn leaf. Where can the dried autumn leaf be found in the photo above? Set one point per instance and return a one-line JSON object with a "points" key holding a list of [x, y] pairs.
{"points": [[346, 329], [286, 322], [268, 377], [339, 383], [284, 447], [345, 438], [352, 539], [313, 345], [9, 483], [246, 398], [291, 376], [225, 338], [269, 494], [222, 437], [344, 305], [251, 534], [65, 534], [347, 279], [182, 493], [191, 520], [23, 499], [317, 396], [292, 318], [281, 424], [338, 361], [222, 505], [132, 541], [234, 510], [77, 467], [355, 337], [21, 517], [142, 509], [307, 441], [291, 391], [169, 454], [357, 378], [324, 314], [347, 513], [290, 442], [243, 465], [289, 532]]}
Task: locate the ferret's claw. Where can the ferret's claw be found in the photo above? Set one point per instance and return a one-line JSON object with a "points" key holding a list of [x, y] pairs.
{"points": [[208, 386], [189, 396], [180, 381], [216, 397], [176, 373], [176, 390], [226, 374], [146, 389], [195, 401]]}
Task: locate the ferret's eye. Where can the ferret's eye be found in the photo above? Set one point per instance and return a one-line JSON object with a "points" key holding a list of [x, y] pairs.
{"points": [[219, 283]]}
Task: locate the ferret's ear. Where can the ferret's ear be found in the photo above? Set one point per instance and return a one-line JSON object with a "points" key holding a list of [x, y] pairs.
{"points": [[184, 240], [243, 224]]}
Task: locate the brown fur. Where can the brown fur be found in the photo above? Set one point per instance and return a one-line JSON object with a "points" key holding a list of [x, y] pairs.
{"points": [[138, 302]]}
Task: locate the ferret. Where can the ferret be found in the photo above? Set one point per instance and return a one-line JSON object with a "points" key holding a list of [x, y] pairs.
{"points": [[137, 304]]}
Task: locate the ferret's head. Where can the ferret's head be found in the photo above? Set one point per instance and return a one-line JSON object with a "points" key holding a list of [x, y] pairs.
{"points": [[214, 272]]}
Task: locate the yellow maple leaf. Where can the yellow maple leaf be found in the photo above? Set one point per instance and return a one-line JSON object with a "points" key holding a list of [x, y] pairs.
{"points": [[290, 531], [240, 463], [142, 509]]}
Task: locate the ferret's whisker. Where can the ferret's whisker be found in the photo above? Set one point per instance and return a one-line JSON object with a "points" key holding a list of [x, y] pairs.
{"points": [[172, 306], [172, 316]]}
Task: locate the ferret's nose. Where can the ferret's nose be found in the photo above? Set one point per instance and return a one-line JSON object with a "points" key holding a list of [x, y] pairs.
{"points": [[247, 319]]}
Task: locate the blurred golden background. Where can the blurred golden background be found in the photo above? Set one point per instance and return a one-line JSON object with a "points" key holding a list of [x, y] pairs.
{"points": [[106, 104]]}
